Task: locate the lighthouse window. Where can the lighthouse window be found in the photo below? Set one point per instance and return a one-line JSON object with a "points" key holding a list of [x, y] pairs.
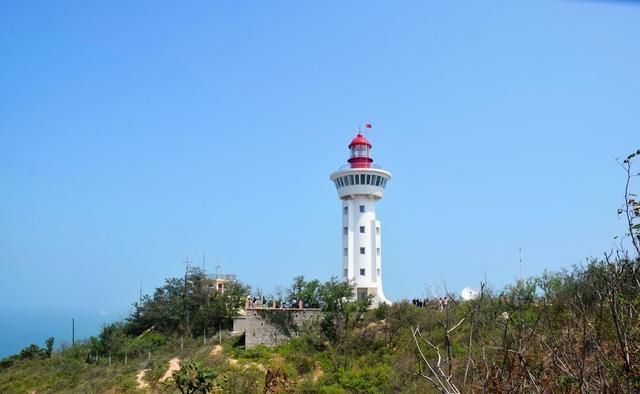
{"points": [[362, 179], [378, 251], [377, 180], [345, 230], [362, 271], [377, 230], [357, 180], [351, 182], [361, 229], [346, 272], [346, 252], [344, 180], [361, 208], [345, 210], [368, 179], [378, 272], [362, 250]]}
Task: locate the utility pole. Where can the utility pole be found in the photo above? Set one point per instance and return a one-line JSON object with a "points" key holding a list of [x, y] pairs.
{"points": [[73, 331], [184, 296], [140, 296], [520, 257]]}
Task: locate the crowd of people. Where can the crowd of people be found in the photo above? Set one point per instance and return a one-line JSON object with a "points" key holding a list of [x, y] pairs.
{"points": [[262, 302], [441, 303]]}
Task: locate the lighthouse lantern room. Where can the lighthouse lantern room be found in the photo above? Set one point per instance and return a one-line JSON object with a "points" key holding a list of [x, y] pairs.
{"points": [[360, 184]]}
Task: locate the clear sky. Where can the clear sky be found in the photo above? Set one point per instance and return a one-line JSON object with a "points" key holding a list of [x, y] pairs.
{"points": [[136, 134]]}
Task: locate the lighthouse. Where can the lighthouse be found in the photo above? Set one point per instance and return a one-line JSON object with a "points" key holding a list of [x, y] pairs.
{"points": [[360, 185]]}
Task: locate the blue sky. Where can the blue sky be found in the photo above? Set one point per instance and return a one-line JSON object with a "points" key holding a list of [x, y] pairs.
{"points": [[134, 135]]}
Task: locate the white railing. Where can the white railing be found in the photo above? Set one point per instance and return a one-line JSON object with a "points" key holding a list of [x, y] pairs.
{"points": [[371, 165]]}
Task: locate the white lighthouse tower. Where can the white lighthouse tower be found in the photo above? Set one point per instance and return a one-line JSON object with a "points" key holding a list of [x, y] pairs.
{"points": [[360, 184]]}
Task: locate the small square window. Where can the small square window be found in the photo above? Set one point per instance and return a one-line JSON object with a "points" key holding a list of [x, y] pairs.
{"points": [[345, 210], [362, 271], [361, 229], [378, 251], [361, 208], [346, 251], [362, 250], [345, 230]]}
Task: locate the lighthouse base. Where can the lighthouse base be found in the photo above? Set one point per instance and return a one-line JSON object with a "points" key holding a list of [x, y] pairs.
{"points": [[377, 297]]}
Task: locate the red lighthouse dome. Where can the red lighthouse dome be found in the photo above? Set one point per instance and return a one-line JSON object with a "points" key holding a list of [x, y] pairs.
{"points": [[360, 148]]}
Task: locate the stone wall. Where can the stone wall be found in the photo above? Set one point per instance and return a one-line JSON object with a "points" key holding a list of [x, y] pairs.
{"points": [[271, 326]]}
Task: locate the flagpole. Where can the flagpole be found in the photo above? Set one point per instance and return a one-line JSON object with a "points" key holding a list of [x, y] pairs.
{"points": [[367, 126], [366, 136]]}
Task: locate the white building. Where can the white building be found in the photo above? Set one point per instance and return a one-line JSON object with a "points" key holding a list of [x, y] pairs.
{"points": [[360, 184]]}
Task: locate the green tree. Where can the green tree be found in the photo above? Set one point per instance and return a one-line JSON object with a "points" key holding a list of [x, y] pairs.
{"points": [[306, 291], [49, 344], [188, 306], [32, 352], [114, 338]]}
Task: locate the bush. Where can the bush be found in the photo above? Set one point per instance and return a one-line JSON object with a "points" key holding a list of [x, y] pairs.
{"points": [[193, 378], [302, 362]]}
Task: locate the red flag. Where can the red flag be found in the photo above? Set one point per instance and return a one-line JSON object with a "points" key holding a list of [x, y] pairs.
{"points": [[367, 125]]}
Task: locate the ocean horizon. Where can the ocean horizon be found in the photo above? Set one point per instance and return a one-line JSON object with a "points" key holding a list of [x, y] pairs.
{"points": [[20, 328]]}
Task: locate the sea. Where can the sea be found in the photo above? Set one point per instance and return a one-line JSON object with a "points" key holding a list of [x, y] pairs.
{"points": [[20, 328]]}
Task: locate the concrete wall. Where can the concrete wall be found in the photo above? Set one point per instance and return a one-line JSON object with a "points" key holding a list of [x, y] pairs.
{"points": [[259, 329]]}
